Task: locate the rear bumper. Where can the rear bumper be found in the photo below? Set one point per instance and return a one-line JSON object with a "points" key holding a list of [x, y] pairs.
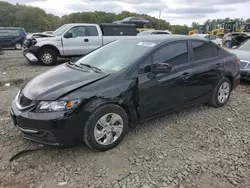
{"points": [[236, 81]]}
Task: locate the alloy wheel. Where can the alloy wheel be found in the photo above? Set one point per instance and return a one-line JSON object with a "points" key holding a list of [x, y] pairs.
{"points": [[108, 129], [223, 92]]}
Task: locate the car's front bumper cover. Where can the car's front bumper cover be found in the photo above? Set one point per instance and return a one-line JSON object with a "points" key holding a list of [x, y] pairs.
{"points": [[29, 54], [55, 129]]}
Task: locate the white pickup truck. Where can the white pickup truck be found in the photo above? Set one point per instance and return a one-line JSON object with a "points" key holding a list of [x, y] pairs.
{"points": [[72, 40]]}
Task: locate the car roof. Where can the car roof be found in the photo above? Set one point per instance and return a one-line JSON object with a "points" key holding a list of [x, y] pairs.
{"points": [[160, 39]]}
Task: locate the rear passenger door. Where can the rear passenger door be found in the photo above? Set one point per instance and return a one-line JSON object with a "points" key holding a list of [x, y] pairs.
{"points": [[207, 69], [94, 38]]}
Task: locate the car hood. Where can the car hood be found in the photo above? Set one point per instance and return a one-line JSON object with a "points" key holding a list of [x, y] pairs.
{"points": [[242, 54], [58, 81]]}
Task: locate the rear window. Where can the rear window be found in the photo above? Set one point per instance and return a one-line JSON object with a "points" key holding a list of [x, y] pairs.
{"points": [[204, 50], [118, 30], [9, 32], [92, 31]]}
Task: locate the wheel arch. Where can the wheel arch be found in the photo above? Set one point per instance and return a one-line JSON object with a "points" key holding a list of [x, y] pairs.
{"points": [[131, 112], [52, 47], [230, 77]]}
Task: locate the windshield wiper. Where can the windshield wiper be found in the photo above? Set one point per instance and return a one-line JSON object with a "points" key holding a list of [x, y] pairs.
{"points": [[95, 69]]}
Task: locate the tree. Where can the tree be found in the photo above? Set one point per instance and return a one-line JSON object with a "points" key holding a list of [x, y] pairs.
{"points": [[34, 19], [195, 25]]}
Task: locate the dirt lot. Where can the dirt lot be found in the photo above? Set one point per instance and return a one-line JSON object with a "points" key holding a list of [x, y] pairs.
{"points": [[200, 147]]}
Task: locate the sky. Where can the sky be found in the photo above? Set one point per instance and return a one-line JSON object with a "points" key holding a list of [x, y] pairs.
{"points": [[174, 11]]}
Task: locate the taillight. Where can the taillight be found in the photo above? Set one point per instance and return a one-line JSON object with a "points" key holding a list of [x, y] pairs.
{"points": [[238, 60]]}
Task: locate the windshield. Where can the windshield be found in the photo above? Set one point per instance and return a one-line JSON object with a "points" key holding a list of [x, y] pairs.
{"points": [[117, 55], [61, 30], [245, 46]]}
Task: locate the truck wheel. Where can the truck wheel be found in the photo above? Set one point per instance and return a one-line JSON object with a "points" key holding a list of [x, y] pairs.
{"points": [[18, 46], [47, 57], [106, 127]]}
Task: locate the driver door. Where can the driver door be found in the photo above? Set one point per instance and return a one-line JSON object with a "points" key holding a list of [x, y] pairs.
{"points": [[164, 92], [81, 42]]}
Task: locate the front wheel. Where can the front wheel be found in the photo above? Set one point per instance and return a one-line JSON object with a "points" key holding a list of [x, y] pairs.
{"points": [[47, 57], [106, 127], [221, 93]]}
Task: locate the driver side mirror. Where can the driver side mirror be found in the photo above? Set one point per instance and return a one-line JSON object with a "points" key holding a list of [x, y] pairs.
{"points": [[162, 67], [68, 35]]}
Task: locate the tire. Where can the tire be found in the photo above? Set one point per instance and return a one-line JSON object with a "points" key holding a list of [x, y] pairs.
{"points": [[18, 46], [215, 100], [47, 57], [93, 129]]}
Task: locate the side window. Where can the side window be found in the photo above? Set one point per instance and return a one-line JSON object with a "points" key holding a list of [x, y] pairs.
{"points": [[78, 31], [174, 54], [204, 50], [9, 33], [207, 37], [92, 30], [146, 66], [159, 32], [212, 37]]}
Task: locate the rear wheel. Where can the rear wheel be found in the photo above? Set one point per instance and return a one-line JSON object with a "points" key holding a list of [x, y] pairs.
{"points": [[221, 93], [106, 127], [47, 57], [18, 46]]}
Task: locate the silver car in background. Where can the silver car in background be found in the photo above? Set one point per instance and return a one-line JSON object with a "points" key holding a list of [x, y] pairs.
{"points": [[243, 53]]}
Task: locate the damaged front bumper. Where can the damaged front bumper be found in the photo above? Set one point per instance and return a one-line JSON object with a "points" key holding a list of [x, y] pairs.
{"points": [[30, 53]]}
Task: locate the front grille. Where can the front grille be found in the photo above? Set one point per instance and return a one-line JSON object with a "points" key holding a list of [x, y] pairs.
{"points": [[42, 136], [24, 101]]}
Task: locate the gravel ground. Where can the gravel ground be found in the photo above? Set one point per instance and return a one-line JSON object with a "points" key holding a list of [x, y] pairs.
{"points": [[199, 147], [15, 69]]}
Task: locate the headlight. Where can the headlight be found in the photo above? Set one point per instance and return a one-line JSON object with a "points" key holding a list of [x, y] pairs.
{"points": [[56, 106]]}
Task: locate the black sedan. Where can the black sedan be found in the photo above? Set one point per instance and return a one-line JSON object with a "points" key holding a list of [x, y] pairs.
{"points": [[139, 22], [121, 84]]}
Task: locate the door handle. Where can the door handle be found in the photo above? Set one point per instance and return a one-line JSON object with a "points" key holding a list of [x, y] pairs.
{"points": [[185, 75], [218, 65], [86, 40]]}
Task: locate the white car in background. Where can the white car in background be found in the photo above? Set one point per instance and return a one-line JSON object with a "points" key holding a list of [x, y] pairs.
{"points": [[212, 38], [154, 32]]}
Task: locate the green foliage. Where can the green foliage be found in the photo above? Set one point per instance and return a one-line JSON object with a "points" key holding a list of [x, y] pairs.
{"points": [[34, 19], [31, 18]]}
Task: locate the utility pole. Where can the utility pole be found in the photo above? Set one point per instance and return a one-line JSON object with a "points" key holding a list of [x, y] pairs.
{"points": [[160, 19]]}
